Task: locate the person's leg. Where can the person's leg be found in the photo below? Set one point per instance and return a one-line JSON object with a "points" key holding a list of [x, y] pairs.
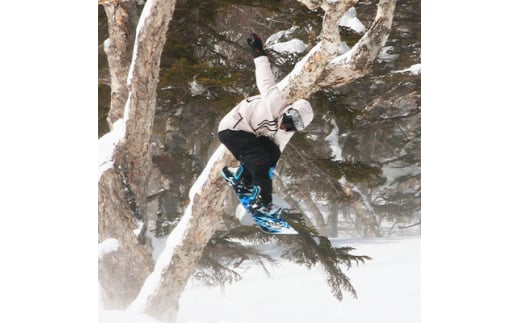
{"points": [[241, 144], [259, 162], [271, 154], [273, 150], [260, 171], [244, 176], [257, 154]]}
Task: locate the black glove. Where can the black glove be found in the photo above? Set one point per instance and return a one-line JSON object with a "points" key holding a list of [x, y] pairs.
{"points": [[256, 45]]}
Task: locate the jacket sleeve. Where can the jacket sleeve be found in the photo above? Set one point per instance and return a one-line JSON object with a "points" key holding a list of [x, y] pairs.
{"points": [[271, 94]]}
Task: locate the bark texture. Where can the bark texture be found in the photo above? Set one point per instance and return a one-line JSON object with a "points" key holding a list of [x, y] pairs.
{"points": [[122, 18], [140, 110], [206, 218], [122, 189], [322, 68], [121, 273], [356, 63], [303, 82]]}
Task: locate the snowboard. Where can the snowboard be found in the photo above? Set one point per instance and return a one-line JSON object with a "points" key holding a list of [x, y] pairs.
{"points": [[266, 224]]}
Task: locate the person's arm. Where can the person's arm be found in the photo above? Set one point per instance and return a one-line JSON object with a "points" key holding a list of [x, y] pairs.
{"points": [[265, 80]]}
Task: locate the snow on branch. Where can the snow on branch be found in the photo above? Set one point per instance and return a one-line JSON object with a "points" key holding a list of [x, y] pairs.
{"points": [[356, 62], [301, 82], [323, 66]]}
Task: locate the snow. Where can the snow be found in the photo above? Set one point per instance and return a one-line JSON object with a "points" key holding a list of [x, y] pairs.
{"points": [[388, 290], [414, 70], [145, 13], [292, 46], [351, 21], [196, 88], [203, 177], [393, 172], [107, 144], [343, 58], [333, 140], [343, 48], [106, 44], [274, 38], [125, 317], [388, 287], [387, 54], [107, 246]]}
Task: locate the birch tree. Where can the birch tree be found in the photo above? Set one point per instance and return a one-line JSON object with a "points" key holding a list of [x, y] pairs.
{"points": [[122, 23], [123, 182]]}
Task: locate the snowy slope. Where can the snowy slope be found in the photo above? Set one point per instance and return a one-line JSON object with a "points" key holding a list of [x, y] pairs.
{"points": [[388, 291]]}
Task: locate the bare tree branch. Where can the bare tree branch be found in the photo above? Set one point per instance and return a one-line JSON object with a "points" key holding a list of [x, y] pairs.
{"points": [[356, 62], [321, 68], [302, 82]]}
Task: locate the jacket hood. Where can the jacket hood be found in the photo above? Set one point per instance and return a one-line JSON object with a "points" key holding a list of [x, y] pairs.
{"points": [[305, 110]]}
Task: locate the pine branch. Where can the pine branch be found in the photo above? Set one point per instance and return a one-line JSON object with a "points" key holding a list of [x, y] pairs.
{"points": [[225, 252], [222, 254], [309, 248], [212, 273]]}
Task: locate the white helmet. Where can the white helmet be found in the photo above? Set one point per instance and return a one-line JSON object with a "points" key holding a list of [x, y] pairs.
{"points": [[300, 114]]}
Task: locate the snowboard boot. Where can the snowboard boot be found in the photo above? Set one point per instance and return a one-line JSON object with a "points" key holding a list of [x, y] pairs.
{"points": [[269, 210], [234, 177], [250, 197], [265, 209]]}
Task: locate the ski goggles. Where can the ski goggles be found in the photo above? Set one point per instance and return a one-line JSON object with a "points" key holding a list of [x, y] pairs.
{"points": [[292, 120]]}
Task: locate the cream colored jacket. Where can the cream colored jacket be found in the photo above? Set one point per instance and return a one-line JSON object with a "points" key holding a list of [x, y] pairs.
{"points": [[261, 114]]}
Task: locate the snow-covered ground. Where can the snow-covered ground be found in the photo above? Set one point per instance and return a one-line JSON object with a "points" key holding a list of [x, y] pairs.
{"points": [[388, 289]]}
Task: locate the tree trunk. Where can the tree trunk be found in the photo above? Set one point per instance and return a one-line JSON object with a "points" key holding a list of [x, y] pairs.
{"points": [[121, 273], [306, 199], [332, 221], [123, 187], [140, 109], [162, 290], [122, 22]]}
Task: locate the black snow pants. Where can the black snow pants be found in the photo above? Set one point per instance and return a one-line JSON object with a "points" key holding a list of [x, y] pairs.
{"points": [[257, 155]]}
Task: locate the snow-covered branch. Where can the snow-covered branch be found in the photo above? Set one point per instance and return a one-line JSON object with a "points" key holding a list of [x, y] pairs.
{"points": [[356, 62], [302, 82], [161, 291], [322, 67]]}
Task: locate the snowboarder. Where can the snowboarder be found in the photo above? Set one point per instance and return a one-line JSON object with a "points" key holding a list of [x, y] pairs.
{"points": [[257, 130]]}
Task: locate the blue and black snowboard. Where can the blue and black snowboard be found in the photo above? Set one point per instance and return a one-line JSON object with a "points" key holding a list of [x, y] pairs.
{"points": [[267, 224]]}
